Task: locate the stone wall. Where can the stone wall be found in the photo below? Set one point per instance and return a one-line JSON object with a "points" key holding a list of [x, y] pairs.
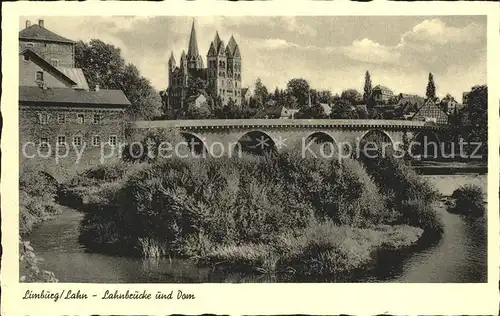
{"points": [[64, 52], [59, 160], [27, 75]]}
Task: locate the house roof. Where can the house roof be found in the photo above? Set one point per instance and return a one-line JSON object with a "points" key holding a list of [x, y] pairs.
{"points": [[195, 97], [429, 102], [381, 88], [38, 33], [76, 74], [109, 98]]}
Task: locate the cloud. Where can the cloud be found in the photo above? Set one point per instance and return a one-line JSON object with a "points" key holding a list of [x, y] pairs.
{"points": [[436, 31], [368, 51]]}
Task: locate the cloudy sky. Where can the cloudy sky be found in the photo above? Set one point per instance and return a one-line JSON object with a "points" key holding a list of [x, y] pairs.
{"points": [[330, 52]]}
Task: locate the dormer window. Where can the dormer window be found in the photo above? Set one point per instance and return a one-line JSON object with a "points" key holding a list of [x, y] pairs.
{"points": [[30, 45], [39, 76]]}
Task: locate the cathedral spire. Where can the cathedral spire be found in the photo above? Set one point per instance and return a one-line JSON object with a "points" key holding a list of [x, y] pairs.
{"points": [[193, 45]]}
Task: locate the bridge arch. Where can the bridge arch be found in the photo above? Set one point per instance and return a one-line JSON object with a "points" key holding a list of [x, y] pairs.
{"points": [[49, 177], [256, 142], [323, 143], [195, 143], [381, 138], [427, 145]]}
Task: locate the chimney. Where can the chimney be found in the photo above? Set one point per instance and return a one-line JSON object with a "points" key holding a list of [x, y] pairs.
{"points": [[28, 23], [40, 23], [96, 87]]}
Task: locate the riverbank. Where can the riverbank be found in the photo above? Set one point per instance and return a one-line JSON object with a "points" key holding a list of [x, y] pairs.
{"points": [[459, 256], [258, 213]]}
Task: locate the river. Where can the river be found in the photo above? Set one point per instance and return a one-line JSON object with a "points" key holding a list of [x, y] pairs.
{"points": [[460, 255]]}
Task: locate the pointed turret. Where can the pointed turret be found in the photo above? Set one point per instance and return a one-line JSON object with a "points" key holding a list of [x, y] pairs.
{"points": [[193, 45], [211, 50], [183, 56], [171, 60], [217, 41], [236, 52], [232, 45]]}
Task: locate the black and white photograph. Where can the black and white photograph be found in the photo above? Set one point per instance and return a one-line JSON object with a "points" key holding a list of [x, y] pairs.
{"points": [[252, 149]]}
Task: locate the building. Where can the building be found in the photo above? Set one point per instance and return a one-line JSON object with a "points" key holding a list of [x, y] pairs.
{"points": [[223, 73], [381, 93], [431, 112], [197, 101], [245, 96], [57, 111], [408, 105]]}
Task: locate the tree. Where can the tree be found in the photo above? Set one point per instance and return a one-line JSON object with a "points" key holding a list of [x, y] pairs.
{"points": [[299, 88], [103, 65], [196, 86], [145, 101], [261, 94], [342, 109], [325, 96], [477, 106], [314, 112], [352, 96], [367, 91], [431, 88]]}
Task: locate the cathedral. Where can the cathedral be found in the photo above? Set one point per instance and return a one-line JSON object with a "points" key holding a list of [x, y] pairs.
{"points": [[223, 72]]}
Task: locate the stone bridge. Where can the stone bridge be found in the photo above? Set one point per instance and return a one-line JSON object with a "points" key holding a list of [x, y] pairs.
{"points": [[218, 136]]}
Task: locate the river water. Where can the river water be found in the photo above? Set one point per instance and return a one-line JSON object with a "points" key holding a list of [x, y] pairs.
{"points": [[460, 255]]}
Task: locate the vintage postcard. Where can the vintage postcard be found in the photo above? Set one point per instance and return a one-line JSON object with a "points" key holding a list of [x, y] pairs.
{"points": [[193, 158]]}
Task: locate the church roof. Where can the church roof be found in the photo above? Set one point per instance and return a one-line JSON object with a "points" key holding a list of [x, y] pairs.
{"points": [[236, 52], [211, 50], [216, 41], [193, 45], [36, 32], [231, 46], [172, 58]]}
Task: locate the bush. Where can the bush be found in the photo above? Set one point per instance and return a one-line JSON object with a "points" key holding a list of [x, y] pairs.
{"points": [[37, 192], [229, 201], [418, 213], [28, 265], [469, 200]]}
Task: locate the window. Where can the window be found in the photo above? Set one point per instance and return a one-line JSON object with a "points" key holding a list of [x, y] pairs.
{"points": [[61, 118], [80, 118], [39, 76], [26, 57], [112, 140], [44, 118], [61, 140], [97, 118], [44, 143], [30, 45], [77, 140], [96, 140], [54, 62]]}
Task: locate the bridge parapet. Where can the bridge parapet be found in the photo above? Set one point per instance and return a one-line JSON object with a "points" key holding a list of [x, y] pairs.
{"points": [[285, 123]]}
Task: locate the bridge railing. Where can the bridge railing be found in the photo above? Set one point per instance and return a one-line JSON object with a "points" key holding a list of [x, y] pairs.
{"points": [[279, 123]]}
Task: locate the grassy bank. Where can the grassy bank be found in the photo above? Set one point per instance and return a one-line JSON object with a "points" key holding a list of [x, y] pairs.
{"points": [[279, 212]]}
